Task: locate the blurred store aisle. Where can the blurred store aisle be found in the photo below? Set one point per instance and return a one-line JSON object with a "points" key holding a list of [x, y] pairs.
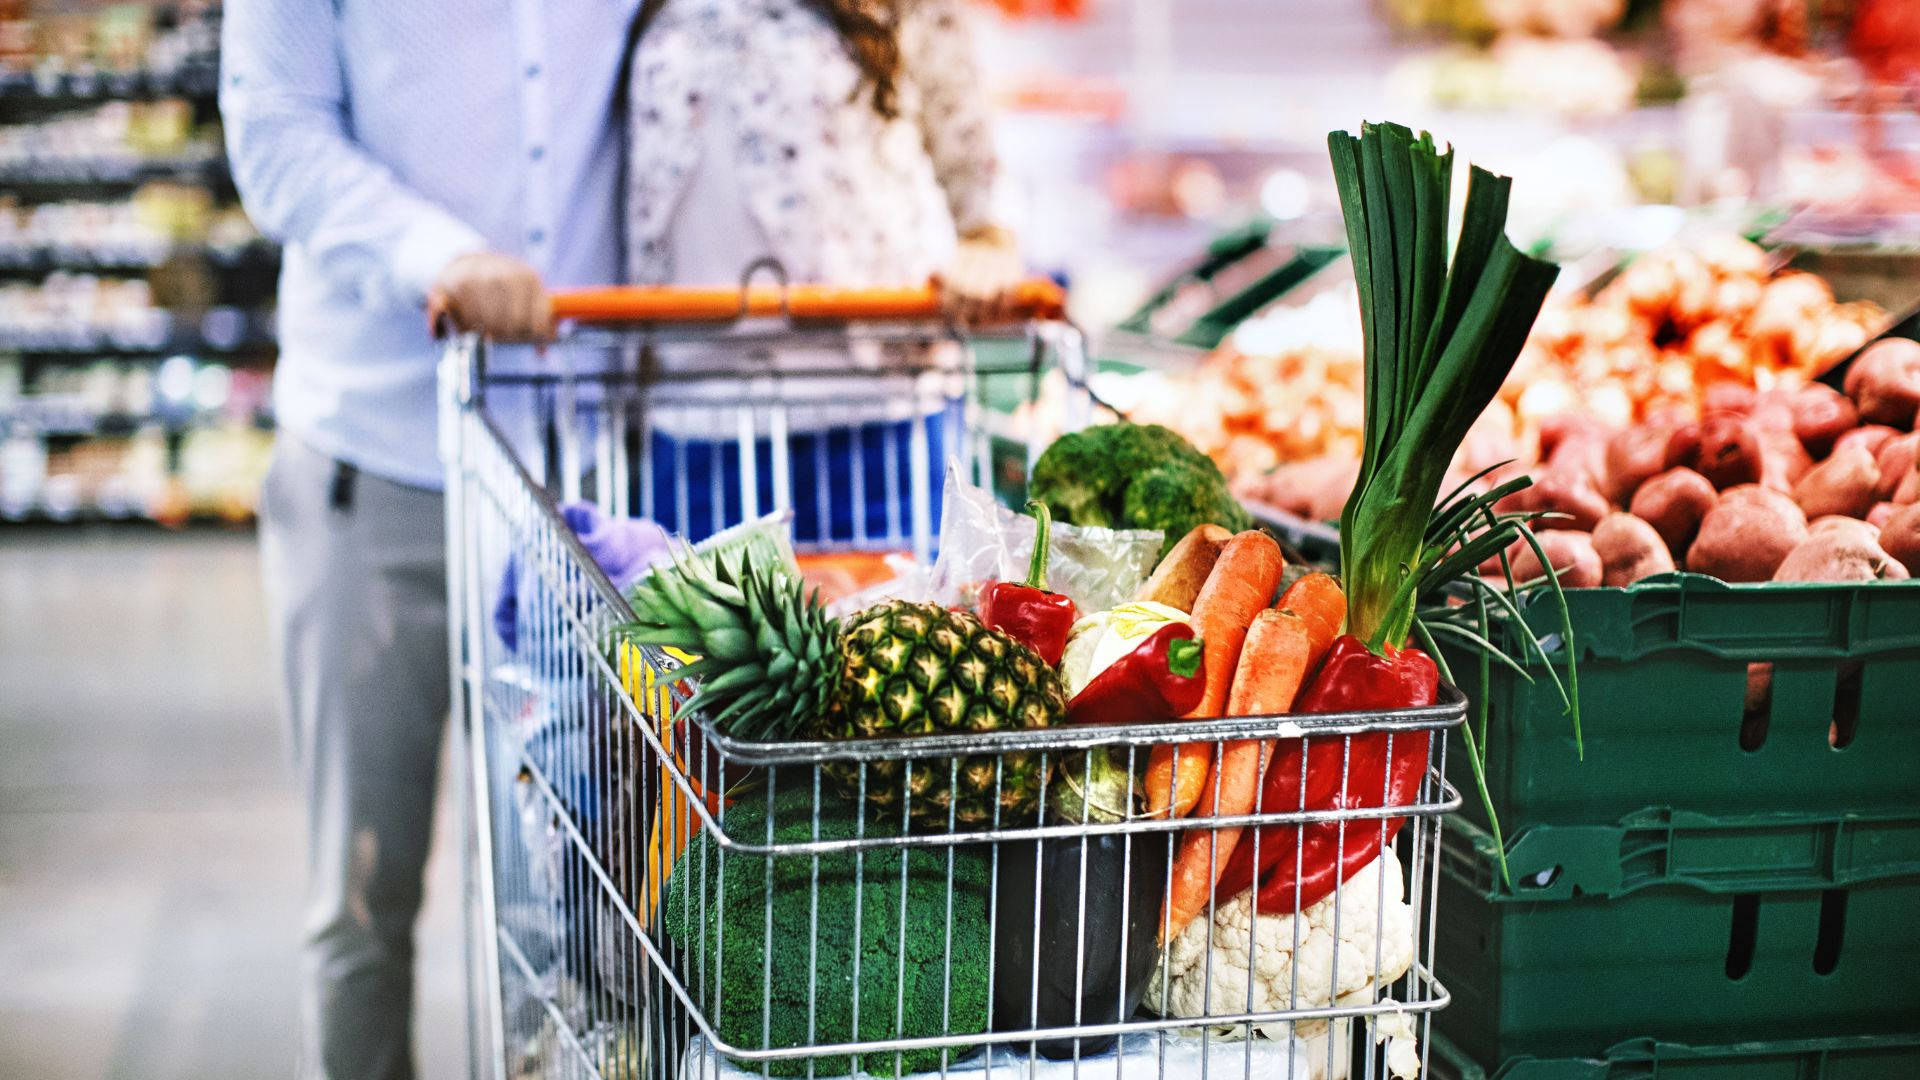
{"points": [[150, 859]]}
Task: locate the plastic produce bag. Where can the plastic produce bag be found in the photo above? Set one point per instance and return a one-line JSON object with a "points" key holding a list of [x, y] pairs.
{"points": [[982, 541]]}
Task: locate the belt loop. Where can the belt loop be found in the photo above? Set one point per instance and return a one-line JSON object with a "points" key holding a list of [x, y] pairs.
{"points": [[340, 494]]}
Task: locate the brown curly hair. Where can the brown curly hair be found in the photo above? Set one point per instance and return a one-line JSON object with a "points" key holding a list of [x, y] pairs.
{"points": [[869, 29]]}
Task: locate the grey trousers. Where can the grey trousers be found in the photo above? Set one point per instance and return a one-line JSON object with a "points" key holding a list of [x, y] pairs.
{"points": [[356, 588]]}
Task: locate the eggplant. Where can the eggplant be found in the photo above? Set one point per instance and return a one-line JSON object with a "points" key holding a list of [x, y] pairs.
{"points": [[1039, 889]]}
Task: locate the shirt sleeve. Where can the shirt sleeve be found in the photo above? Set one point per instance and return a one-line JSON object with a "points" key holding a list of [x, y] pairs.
{"points": [[955, 117], [301, 176]]}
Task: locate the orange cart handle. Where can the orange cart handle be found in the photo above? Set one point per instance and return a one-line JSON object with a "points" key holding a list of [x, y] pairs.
{"points": [[1035, 299]]}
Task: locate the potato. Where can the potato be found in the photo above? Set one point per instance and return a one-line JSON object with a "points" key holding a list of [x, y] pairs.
{"points": [[1729, 397], [1881, 512], [1783, 461], [1724, 448], [1574, 560], [1634, 456], [1872, 436], [1821, 415], [1673, 503], [1900, 536], [1629, 550], [1747, 535], [1840, 555], [1842, 484], [1773, 410], [1895, 460], [1569, 492], [1576, 442], [1884, 382]]}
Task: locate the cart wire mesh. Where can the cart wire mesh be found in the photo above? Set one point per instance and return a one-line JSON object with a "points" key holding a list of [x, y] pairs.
{"points": [[652, 898]]}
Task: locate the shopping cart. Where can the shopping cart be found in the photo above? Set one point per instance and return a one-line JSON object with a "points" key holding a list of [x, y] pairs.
{"points": [[651, 898]]}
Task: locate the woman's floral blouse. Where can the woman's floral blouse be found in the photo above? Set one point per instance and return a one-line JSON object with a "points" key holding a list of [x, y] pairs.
{"points": [[843, 194]]}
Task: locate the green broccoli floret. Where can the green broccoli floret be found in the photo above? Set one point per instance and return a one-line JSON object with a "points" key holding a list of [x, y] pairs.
{"points": [[942, 988], [1134, 476]]}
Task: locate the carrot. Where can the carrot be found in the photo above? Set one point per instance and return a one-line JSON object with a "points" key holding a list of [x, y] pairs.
{"points": [[1242, 582], [1177, 580], [1317, 598], [1274, 663]]}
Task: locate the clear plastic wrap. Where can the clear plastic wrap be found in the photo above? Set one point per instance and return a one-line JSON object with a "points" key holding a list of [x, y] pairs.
{"points": [[982, 541]]}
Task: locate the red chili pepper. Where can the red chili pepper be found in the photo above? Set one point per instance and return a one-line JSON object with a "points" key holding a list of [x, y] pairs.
{"points": [[1353, 679], [1160, 679], [1026, 611]]}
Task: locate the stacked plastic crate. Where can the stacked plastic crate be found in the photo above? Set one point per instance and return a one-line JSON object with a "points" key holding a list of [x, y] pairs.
{"points": [[1728, 884]]}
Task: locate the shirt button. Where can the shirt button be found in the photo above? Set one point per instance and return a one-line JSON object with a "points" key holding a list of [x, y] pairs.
{"points": [[537, 153], [533, 71], [537, 236]]}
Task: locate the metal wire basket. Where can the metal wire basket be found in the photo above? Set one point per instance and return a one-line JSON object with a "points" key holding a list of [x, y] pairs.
{"points": [[654, 898]]}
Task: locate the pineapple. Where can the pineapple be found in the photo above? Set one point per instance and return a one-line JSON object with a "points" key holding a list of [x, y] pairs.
{"points": [[775, 665]]}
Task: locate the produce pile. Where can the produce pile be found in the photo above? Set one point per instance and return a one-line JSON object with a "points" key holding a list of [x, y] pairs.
{"points": [[1284, 422], [1222, 626], [1809, 484]]}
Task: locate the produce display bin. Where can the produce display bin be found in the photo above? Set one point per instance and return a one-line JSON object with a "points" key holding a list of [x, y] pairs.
{"points": [[1542, 967], [1665, 670], [653, 897], [1867, 1057]]}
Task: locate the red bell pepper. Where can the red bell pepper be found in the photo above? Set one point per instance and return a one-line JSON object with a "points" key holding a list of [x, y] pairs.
{"points": [[1353, 679], [1163, 677], [1026, 611]]}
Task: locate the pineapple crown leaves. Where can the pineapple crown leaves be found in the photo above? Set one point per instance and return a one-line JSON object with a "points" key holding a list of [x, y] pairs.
{"points": [[763, 642]]}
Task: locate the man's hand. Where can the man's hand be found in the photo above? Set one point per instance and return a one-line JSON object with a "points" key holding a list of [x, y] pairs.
{"points": [[494, 294], [977, 286]]}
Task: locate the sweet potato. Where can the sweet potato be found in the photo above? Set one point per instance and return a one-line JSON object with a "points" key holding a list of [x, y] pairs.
{"points": [[1747, 535], [1884, 382], [1842, 484], [1724, 448], [1629, 550], [1635, 455], [1880, 514], [1895, 460], [1571, 553], [1900, 537], [1674, 503], [1821, 415], [1872, 436], [1840, 554]]}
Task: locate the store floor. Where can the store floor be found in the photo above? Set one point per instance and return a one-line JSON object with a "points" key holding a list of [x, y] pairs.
{"points": [[150, 851]]}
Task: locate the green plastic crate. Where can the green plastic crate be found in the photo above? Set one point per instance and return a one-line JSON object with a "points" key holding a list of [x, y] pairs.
{"points": [[1554, 967], [1663, 685], [1867, 1057]]}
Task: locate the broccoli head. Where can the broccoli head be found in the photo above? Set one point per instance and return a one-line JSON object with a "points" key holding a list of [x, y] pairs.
{"points": [[941, 988], [1134, 476]]}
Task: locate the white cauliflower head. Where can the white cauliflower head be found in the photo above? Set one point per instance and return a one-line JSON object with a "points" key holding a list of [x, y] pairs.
{"points": [[1242, 962]]}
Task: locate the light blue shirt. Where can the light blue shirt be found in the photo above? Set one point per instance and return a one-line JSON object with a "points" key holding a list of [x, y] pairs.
{"points": [[379, 139]]}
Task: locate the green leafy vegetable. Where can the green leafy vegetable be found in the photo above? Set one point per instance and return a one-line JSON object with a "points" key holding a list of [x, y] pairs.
{"points": [[1440, 337]]}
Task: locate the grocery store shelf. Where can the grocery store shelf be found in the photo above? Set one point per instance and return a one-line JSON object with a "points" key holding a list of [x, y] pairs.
{"points": [[198, 82], [256, 257], [220, 334], [82, 173]]}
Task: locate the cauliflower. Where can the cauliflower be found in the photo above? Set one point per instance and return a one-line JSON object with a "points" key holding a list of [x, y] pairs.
{"points": [[1207, 968]]}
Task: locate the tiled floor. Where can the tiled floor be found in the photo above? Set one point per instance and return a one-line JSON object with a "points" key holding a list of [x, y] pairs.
{"points": [[150, 858]]}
